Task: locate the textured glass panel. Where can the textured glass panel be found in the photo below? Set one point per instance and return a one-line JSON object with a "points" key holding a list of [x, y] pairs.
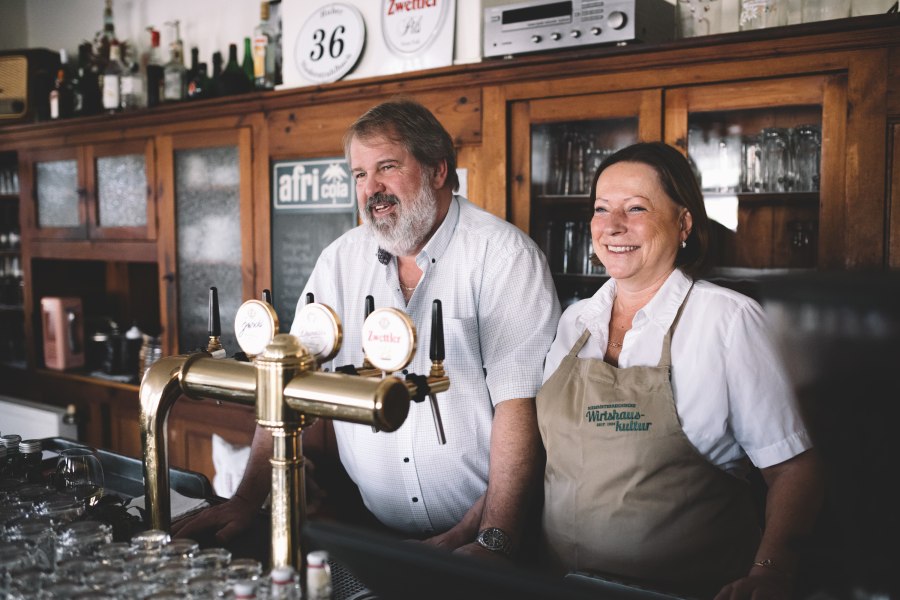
{"points": [[122, 191], [57, 193], [208, 219]]}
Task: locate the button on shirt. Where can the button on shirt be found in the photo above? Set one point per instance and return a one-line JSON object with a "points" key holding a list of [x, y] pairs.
{"points": [[731, 391], [500, 312]]}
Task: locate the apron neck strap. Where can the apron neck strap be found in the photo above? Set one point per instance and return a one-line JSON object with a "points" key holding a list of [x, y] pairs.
{"points": [[580, 343], [666, 359]]}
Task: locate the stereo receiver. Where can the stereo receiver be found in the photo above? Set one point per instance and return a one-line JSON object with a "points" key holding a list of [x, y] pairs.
{"points": [[542, 25]]}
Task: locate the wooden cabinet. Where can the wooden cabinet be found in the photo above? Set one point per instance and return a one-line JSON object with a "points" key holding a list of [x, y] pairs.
{"points": [[97, 191]]}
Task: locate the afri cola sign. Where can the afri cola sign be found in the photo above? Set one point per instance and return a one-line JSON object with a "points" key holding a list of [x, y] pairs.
{"points": [[313, 185]]}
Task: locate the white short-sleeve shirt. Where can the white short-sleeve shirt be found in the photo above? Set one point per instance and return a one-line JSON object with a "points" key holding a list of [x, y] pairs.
{"points": [[500, 313], [731, 390]]}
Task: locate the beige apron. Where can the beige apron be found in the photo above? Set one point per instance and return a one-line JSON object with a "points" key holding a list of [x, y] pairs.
{"points": [[625, 491]]}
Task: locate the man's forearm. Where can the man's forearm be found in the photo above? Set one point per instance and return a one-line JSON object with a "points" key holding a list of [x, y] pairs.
{"points": [[257, 479], [515, 467]]}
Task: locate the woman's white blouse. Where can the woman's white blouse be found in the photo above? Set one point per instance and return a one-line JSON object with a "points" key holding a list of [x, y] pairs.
{"points": [[731, 390]]}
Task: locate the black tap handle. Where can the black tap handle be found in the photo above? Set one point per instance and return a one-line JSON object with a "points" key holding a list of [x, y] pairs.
{"points": [[436, 352], [370, 306], [310, 298], [214, 326], [267, 296]]}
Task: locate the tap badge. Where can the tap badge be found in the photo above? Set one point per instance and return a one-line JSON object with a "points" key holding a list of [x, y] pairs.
{"points": [[319, 330], [255, 324], [389, 339]]}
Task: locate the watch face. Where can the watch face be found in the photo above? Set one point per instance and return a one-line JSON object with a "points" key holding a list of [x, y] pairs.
{"points": [[494, 538]]}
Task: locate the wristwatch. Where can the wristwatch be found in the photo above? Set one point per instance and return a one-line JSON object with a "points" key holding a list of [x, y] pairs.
{"points": [[495, 540]]}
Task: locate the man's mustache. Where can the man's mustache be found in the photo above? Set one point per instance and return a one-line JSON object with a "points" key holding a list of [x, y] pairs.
{"points": [[381, 198]]}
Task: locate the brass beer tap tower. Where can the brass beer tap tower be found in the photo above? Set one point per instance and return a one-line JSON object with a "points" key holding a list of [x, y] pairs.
{"points": [[289, 392]]}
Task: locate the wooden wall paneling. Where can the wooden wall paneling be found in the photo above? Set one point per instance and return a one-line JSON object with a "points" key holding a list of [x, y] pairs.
{"points": [[490, 188], [675, 119], [865, 177], [795, 236], [650, 119], [832, 192], [317, 130], [261, 204], [520, 165], [893, 259], [755, 235], [166, 244], [248, 225], [893, 81]]}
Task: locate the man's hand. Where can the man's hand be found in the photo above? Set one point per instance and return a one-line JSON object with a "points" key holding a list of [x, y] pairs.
{"points": [[476, 550], [760, 584], [223, 521]]}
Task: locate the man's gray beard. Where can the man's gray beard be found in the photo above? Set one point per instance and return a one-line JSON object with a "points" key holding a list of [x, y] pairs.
{"points": [[403, 232]]}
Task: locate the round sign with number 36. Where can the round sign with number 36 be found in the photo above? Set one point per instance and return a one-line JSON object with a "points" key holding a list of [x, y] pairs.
{"points": [[330, 43]]}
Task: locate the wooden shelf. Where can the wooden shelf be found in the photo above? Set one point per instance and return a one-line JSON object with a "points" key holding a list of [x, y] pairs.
{"points": [[85, 377]]}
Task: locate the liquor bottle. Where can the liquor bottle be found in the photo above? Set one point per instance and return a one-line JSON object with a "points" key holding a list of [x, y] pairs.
{"points": [[233, 79], [191, 73], [216, 83], [112, 80], [61, 96], [132, 84], [200, 85], [264, 51], [174, 71], [107, 35], [31, 461], [86, 98], [155, 73], [247, 64]]}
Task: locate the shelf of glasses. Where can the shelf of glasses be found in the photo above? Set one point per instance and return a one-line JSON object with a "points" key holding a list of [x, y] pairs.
{"points": [[768, 198]]}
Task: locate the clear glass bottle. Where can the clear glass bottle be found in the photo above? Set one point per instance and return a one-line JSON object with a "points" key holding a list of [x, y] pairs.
{"points": [[14, 464], [264, 51], [174, 72], [112, 79], [61, 96]]}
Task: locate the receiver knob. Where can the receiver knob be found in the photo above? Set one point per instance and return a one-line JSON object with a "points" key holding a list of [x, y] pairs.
{"points": [[617, 19], [536, 39], [575, 34], [555, 36]]}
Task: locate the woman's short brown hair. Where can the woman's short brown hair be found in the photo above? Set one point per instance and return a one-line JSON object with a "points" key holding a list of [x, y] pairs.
{"points": [[680, 184]]}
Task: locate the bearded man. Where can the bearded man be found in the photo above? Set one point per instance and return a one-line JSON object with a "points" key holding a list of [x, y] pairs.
{"points": [[420, 242]]}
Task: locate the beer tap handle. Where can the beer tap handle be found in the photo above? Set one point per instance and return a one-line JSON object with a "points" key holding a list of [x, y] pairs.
{"points": [[370, 308], [214, 326], [436, 354], [267, 296], [310, 298]]}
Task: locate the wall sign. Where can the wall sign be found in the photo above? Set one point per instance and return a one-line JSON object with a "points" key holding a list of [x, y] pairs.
{"points": [[312, 185], [411, 26], [330, 43]]}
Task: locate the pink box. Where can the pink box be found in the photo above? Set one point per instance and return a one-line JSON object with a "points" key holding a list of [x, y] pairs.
{"points": [[63, 332]]}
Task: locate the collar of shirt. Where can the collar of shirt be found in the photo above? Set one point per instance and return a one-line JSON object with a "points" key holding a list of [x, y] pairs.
{"points": [[434, 248], [650, 323]]}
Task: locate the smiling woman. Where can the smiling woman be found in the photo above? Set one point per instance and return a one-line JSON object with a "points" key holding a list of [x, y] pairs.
{"points": [[675, 394]]}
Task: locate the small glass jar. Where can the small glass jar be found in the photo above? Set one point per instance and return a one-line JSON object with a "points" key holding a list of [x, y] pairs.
{"points": [[211, 558], [182, 547], [82, 538], [35, 537], [32, 459], [61, 511], [151, 540], [246, 569], [760, 14]]}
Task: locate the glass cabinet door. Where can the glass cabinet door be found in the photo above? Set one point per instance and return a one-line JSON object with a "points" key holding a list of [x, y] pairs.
{"points": [[210, 208], [120, 178], [758, 153], [567, 139], [53, 187]]}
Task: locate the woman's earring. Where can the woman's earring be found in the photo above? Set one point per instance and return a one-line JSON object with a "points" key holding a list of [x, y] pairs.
{"points": [[684, 243], [595, 260]]}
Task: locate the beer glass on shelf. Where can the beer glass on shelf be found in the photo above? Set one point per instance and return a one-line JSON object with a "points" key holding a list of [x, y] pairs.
{"points": [[776, 159], [807, 153], [79, 472]]}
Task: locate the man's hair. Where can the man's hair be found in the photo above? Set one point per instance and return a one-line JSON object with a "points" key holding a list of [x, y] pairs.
{"points": [[409, 123], [680, 184]]}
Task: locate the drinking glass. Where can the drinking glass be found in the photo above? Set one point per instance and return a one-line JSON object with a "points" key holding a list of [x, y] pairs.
{"points": [[759, 14], [776, 159], [807, 151], [699, 17], [823, 10], [79, 472]]}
